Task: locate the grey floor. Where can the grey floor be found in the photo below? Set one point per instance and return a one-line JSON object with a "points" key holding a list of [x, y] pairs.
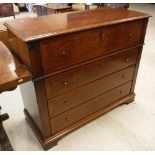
{"points": [[128, 127]]}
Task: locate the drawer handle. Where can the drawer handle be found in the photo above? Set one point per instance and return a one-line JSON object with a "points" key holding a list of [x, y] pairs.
{"points": [[123, 76], [126, 59], [130, 34], [120, 92], [63, 53], [65, 83], [102, 35], [67, 118], [66, 102]]}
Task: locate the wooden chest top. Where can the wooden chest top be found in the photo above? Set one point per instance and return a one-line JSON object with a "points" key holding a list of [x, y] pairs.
{"points": [[57, 24]]}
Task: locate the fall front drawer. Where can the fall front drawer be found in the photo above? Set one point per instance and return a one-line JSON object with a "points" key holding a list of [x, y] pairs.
{"points": [[82, 94], [74, 48], [61, 83], [72, 116]]}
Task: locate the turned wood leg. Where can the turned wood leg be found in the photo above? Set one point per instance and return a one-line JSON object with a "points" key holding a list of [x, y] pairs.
{"points": [[4, 140]]}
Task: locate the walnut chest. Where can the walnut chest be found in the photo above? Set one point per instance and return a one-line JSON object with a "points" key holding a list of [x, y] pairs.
{"points": [[83, 64]]}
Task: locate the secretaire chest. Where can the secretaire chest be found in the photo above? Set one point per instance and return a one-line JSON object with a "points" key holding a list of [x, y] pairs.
{"points": [[83, 65]]}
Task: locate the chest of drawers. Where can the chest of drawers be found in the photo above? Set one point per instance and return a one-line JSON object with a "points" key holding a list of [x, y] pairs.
{"points": [[83, 64]]}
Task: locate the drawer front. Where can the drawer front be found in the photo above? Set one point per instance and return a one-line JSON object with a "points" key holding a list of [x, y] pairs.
{"points": [[82, 94], [70, 49], [64, 120], [61, 83]]}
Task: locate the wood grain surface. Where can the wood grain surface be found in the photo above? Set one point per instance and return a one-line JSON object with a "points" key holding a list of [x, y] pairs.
{"points": [[12, 72], [48, 26]]}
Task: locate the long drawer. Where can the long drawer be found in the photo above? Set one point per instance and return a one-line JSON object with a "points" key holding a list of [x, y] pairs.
{"points": [[61, 83], [74, 48], [82, 94], [64, 120]]}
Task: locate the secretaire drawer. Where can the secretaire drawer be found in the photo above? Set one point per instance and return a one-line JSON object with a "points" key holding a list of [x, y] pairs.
{"points": [[66, 50], [72, 79], [64, 120], [82, 94]]}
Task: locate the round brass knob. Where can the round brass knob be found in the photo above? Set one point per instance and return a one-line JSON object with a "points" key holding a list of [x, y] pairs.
{"points": [[66, 102], [130, 34], [67, 118], [126, 59], [65, 83], [102, 35], [63, 53]]}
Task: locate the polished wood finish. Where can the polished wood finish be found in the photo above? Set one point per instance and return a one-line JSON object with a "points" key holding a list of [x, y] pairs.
{"points": [[16, 46], [59, 122], [80, 69], [74, 98], [4, 35], [27, 55], [70, 22], [12, 72], [53, 140], [61, 52], [55, 85]]}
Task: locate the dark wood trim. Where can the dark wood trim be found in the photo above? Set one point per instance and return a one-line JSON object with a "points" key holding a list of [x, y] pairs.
{"points": [[130, 16], [145, 21], [34, 53], [136, 70]]}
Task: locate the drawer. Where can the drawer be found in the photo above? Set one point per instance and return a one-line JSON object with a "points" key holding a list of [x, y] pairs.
{"points": [[64, 120], [70, 49], [82, 94], [61, 83]]}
